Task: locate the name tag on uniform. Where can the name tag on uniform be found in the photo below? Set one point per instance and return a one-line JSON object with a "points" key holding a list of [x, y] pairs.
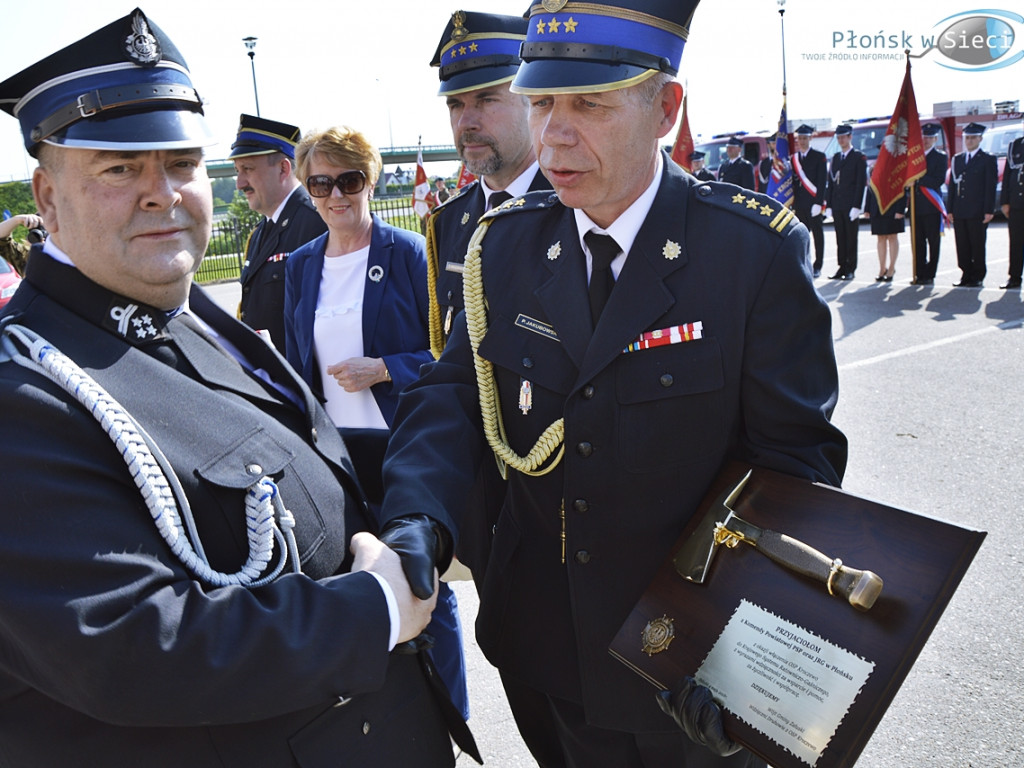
{"points": [[675, 334], [537, 327]]}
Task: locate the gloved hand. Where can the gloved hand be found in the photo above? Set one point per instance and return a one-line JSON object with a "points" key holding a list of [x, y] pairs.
{"points": [[696, 712], [422, 546], [855, 213], [815, 209]]}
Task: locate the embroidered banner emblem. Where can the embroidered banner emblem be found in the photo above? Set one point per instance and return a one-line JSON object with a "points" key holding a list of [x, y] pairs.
{"points": [[537, 327], [677, 334]]}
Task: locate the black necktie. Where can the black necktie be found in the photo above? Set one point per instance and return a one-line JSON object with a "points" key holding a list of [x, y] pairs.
{"points": [[603, 249], [497, 198]]}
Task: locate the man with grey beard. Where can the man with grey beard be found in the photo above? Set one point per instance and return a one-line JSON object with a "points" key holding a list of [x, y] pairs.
{"points": [[477, 58]]}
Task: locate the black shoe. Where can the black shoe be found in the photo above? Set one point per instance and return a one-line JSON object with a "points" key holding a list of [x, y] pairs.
{"points": [[817, 273], [888, 278], [882, 279], [962, 284], [927, 281], [847, 276], [840, 275], [1013, 282]]}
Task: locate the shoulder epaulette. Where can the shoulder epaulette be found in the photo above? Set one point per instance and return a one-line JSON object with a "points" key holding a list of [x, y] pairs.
{"points": [[766, 211], [531, 201]]}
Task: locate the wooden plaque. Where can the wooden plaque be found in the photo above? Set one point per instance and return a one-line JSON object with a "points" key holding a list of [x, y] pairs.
{"points": [[921, 561]]}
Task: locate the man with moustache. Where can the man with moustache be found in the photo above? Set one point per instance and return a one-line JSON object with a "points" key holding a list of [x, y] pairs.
{"points": [[264, 156], [621, 339], [188, 572]]}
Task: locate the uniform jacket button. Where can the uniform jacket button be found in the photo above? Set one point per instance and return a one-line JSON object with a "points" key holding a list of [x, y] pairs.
{"points": [[582, 557], [527, 362], [666, 380], [588, 392], [584, 449], [366, 728], [580, 505]]}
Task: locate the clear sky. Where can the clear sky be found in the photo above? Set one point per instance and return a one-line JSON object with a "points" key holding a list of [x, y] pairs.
{"points": [[366, 64]]}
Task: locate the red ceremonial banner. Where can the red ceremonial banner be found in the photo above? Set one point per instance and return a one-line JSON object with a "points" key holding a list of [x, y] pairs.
{"points": [[683, 145], [901, 158]]}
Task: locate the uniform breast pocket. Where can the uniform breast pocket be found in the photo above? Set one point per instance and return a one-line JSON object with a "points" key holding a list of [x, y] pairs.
{"points": [[671, 405], [530, 349]]}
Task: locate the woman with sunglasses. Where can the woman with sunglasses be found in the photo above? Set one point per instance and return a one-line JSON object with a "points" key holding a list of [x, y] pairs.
{"points": [[356, 327]]}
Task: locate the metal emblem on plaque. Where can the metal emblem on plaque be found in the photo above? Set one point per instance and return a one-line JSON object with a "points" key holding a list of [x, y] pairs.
{"points": [[657, 635]]}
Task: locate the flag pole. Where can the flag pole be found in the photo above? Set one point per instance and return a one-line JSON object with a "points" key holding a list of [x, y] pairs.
{"points": [[782, 25], [913, 214]]}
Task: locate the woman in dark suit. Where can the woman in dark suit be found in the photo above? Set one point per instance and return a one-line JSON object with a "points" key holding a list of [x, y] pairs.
{"points": [[356, 324]]}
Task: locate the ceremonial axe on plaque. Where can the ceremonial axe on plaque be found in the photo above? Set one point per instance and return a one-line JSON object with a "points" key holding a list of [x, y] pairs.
{"points": [[721, 526]]}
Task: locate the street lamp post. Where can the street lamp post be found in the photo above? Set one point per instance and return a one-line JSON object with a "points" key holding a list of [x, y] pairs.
{"points": [[782, 24], [250, 44]]}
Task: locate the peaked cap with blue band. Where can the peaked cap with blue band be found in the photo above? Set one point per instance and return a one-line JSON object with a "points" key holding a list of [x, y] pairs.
{"points": [[124, 87], [478, 50], [259, 136], [588, 47]]}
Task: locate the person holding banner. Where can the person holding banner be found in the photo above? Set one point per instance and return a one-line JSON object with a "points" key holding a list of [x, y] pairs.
{"points": [[929, 209], [811, 171]]}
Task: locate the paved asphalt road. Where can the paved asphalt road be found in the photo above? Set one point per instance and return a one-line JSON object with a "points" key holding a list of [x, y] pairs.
{"points": [[931, 389]]}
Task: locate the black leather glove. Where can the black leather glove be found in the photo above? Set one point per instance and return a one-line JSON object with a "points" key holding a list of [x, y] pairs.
{"points": [[696, 712], [422, 545]]}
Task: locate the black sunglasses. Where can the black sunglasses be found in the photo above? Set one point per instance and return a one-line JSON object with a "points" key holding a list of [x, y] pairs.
{"points": [[349, 183]]}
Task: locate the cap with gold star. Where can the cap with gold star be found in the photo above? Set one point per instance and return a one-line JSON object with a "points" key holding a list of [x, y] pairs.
{"points": [[478, 50], [124, 87], [588, 47]]}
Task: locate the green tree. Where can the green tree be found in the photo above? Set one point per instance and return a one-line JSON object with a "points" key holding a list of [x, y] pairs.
{"points": [[16, 197]]}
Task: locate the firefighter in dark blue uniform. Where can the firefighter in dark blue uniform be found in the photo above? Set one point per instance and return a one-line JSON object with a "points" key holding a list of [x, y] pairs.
{"points": [[1012, 201], [609, 431], [929, 208], [810, 169], [847, 185], [736, 169], [972, 204]]}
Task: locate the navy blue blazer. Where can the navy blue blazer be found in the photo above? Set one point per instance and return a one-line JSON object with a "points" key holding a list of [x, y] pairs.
{"points": [[394, 310]]}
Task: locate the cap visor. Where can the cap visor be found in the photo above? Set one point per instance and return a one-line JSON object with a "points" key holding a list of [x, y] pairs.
{"points": [[567, 76], [474, 80], [155, 129]]}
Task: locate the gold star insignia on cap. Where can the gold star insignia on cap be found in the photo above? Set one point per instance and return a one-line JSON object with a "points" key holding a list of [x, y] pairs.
{"points": [[473, 47], [671, 250], [570, 25], [739, 197], [541, 26], [519, 202], [766, 210], [555, 251], [752, 203], [553, 25]]}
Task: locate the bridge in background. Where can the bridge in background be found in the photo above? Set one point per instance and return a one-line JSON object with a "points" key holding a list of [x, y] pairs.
{"points": [[218, 169]]}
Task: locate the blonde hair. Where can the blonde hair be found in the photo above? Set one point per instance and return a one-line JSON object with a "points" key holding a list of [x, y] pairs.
{"points": [[340, 146]]}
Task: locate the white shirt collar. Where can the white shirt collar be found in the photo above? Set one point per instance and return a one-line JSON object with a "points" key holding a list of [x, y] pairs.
{"points": [[518, 187], [625, 228], [284, 202]]}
